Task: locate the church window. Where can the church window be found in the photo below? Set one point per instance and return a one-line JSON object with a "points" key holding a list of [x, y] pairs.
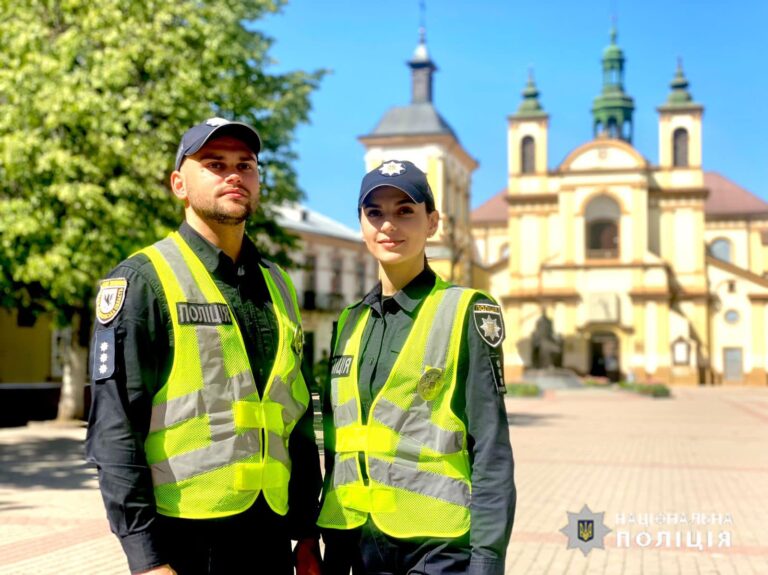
{"points": [[602, 217], [721, 249], [680, 148], [732, 316], [527, 155]]}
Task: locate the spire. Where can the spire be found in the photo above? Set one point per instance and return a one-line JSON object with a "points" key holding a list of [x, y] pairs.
{"points": [[530, 106], [679, 85], [679, 98], [612, 110], [422, 67]]}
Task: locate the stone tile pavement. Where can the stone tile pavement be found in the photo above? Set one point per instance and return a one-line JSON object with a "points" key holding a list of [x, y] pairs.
{"points": [[700, 457]]}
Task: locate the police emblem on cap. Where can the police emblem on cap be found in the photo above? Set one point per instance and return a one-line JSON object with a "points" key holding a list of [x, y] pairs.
{"points": [[489, 323], [297, 345], [392, 169], [216, 122], [110, 299], [430, 384]]}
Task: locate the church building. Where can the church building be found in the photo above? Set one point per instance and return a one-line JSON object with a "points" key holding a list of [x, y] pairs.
{"points": [[652, 272]]}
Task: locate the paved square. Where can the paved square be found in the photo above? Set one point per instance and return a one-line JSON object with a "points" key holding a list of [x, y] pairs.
{"points": [[700, 457]]}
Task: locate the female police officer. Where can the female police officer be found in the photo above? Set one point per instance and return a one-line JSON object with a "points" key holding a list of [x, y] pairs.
{"points": [[419, 469]]}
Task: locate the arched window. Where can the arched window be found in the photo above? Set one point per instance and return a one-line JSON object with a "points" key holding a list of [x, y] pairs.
{"points": [[721, 249], [504, 251], [602, 228], [527, 155], [613, 128], [680, 148]]}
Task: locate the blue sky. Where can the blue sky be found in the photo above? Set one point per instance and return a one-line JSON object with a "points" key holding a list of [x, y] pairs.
{"points": [[484, 48]]}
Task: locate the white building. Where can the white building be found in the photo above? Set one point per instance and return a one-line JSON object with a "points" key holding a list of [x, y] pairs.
{"points": [[335, 269]]}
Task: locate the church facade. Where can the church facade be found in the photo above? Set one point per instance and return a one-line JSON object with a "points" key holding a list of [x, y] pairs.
{"points": [[646, 271]]}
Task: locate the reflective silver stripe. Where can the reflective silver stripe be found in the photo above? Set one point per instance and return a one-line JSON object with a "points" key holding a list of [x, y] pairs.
{"points": [[175, 259], [285, 292], [280, 393], [345, 414], [211, 397], [442, 328], [219, 454], [345, 471], [277, 448], [422, 482], [415, 424]]}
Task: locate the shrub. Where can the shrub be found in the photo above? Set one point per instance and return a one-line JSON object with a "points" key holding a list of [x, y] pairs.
{"points": [[523, 390], [651, 389]]}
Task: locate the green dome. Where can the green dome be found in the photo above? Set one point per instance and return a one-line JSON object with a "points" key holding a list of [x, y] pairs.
{"points": [[612, 51], [612, 110], [530, 107], [679, 97]]}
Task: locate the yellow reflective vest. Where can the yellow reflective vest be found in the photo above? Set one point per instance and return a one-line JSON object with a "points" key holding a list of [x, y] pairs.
{"points": [[214, 443], [413, 445]]}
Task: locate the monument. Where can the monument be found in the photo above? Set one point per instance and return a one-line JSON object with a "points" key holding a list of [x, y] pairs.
{"points": [[546, 369]]}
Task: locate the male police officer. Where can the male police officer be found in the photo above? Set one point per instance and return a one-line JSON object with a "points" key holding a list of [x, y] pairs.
{"points": [[200, 425]]}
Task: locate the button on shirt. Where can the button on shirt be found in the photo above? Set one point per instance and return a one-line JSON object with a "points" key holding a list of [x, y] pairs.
{"points": [[121, 403], [477, 397]]}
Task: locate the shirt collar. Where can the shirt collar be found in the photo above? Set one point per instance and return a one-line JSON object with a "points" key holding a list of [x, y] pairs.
{"points": [[408, 298], [213, 258]]}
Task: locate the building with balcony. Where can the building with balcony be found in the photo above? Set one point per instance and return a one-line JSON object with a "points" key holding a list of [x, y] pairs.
{"points": [[333, 269]]}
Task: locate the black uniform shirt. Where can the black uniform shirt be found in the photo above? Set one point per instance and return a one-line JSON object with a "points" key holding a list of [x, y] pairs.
{"points": [[478, 402], [121, 402]]}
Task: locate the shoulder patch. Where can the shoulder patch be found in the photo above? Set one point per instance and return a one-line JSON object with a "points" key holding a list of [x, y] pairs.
{"points": [[103, 354], [110, 299], [489, 323]]}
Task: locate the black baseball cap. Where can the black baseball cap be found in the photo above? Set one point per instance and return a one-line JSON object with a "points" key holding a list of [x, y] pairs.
{"points": [[402, 175], [197, 136]]}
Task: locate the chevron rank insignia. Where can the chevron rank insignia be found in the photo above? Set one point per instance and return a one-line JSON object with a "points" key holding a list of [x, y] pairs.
{"points": [[489, 323], [110, 300]]}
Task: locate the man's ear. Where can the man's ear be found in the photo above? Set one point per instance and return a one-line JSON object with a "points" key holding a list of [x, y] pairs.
{"points": [[434, 220], [177, 185]]}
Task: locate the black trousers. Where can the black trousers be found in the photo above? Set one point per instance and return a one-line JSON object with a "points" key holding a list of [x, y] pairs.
{"points": [[368, 551], [254, 542]]}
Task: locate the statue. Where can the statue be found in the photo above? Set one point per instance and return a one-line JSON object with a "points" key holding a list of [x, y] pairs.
{"points": [[546, 346]]}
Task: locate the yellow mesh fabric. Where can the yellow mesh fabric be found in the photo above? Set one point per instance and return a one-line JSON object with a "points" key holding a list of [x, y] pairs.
{"points": [[417, 515], [233, 487], [183, 437], [401, 512], [201, 497]]}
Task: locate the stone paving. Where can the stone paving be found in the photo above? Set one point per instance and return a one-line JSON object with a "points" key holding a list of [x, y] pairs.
{"points": [[700, 457]]}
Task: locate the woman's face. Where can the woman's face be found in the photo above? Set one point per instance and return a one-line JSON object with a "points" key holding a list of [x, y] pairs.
{"points": [[395, 229]]}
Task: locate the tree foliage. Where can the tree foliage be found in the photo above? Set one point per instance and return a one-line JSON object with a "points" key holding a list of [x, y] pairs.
{"points": [[94, 97]]}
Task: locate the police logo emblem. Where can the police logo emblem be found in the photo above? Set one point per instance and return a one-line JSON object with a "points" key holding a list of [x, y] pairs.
{"points": [[391, 169], [489, 323], [216, 122], [430, 384], [297, 345], [586, 529], [110, 300]]}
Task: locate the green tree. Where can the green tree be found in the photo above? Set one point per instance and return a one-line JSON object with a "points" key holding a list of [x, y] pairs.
{"points": [[93, 99]]}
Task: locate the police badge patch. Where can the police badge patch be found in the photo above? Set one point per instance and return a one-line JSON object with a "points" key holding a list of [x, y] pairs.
{"points": [[110, 300], [297, 345], [430, 384], [489, 323]]}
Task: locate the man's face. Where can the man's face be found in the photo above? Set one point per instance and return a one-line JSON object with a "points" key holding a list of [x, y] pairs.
{"points": [[220, 182]]}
